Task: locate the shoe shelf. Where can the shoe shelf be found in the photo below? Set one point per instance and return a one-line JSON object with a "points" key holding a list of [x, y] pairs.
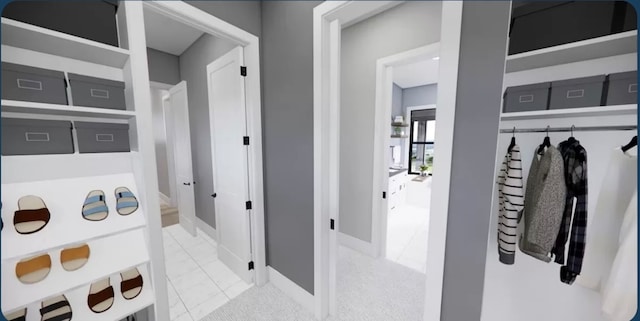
{"points": [[64, 199], [119, 310], [27, 107], [107, 256]]}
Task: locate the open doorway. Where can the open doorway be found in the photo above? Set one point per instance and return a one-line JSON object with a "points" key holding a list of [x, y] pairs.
{"points": [[205, 267]]}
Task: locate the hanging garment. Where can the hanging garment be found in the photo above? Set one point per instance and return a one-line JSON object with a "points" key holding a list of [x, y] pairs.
{"points": [[544, 204], [575, 175], [620, 292], [603, 231], [511, 202]]}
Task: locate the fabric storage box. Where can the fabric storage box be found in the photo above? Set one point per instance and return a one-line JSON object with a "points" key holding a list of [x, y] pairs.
{"points": [[538, 25], [526, 98], [28, 83], [622, 88], [93, 20], [102, 137], [36, 136], [579, 92], [96, 92]]}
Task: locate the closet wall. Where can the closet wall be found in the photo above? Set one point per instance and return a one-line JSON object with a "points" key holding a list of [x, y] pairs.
{"points": [[510, 291], [163, 67]]}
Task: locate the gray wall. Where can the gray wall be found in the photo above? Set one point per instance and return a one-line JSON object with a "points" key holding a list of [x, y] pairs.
{"points": [[396, 101], [407, 26], [160, 139], [287, 111], [420, 95], [163, 67], [193, 69], [242, 14], [481, 69]]}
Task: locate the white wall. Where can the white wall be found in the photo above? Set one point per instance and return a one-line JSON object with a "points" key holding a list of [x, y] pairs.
{"points": [[407, 26], [419, 95], [530, 290], [160, 139]]}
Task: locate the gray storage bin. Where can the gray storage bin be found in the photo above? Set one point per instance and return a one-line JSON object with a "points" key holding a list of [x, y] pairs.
{"points": [[96, 92], [36, 136], [579, 92], [27, 83], [623, 88], [102, 137], [526, 98]]}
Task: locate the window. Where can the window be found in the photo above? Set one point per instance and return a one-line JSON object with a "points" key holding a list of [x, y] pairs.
{"points": [[422, 138]]}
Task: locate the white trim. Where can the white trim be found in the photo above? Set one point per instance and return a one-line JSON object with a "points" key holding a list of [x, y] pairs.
{"points": [[164, 198], [160, 85], [290, 288], [207, 229], [326, 107], [356, 244], [194, 17]]}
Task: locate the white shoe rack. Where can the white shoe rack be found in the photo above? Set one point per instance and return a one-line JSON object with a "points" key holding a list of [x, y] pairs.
{"points": [[63, 181]]}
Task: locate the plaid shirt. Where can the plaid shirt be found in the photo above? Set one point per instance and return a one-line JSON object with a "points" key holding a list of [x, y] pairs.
{"points": [[575, 165]]}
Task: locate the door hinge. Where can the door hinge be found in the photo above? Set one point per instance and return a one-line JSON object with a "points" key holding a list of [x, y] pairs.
{"points": [[332, 224], [214, 195], [245, 140], [249, 205], [384, 195], [250, 265], [243, 71]]}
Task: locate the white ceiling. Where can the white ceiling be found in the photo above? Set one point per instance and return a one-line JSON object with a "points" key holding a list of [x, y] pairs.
{"points": [[416, 74], [168, 35]]}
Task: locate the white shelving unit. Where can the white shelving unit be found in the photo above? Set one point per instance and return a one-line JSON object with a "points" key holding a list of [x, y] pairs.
{"points": [[27, 107], [611, 45], [572, 112], [63, 181]]}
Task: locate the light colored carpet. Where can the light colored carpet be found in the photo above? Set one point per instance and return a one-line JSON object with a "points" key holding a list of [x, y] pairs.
{"points": [[368, 290]]}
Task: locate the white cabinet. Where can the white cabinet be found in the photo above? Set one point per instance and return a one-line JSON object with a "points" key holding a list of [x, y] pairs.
{"points": [[397, 190]]}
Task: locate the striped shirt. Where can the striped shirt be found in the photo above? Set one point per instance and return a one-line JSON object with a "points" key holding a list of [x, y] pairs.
{"points": [[511, 203]]}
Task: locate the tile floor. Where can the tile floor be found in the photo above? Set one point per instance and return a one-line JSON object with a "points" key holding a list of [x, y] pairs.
{"points": [[408, 226], [197, 282]]}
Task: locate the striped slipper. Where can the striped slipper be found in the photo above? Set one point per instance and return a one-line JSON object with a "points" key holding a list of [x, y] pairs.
{"points": [[33, 269], [56, 309], [131, 284], [94, 207], [32, 215], [20, 315], [101, 296], [74, 258], [126, 202]]}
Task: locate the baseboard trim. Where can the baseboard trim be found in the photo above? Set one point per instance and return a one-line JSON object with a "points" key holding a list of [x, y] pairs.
{"points": [[207, 229], [291, 289], [165, 198], [356, 244]]}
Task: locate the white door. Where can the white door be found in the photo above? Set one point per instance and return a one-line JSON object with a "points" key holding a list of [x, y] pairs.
{"points": [[182, 156], [229, 155]]}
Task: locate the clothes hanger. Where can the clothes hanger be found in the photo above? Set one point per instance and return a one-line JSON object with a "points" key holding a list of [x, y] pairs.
{"points": [[571, 139], [633, 143], [545, 143], [513, 141]]}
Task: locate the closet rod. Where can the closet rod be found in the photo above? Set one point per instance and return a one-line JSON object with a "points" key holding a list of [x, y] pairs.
{"points": [[567, 129]]}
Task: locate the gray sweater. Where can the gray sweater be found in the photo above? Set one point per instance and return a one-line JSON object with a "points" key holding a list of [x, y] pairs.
{"points": [[543, 205]]}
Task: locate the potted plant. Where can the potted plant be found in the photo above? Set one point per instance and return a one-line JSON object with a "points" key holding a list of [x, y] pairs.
{"points": [[430, 165], [423, 169]]}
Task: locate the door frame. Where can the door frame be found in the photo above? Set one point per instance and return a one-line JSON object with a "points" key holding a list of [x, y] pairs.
{"points": [[196, 18], [328, 20], [407, 116], [382, 138]]}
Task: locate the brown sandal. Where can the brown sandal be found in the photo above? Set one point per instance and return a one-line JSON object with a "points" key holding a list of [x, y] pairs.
{"points": [[20, 315], [101, 296], [74, 258], [33, 269], [131, 285], [56, 309], [32, 215]]}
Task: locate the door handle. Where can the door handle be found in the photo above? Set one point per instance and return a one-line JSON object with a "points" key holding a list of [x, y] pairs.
{"points": [[188, 184]]}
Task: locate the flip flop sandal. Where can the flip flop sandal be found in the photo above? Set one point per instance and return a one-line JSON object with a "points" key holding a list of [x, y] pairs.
{"points": [[56, 309], [101, 296], [33, 269], [126, 202], [20, 315], [94, 207], [32, 215], [131, 284], [74, 258]]}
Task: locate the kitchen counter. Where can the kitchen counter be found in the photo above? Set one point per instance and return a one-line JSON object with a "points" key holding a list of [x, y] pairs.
{"points": [[396, 171]]}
